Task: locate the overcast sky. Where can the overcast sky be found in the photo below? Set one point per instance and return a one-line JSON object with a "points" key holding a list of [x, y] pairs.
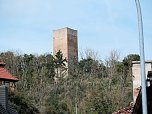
{"points": [[103, 25]]}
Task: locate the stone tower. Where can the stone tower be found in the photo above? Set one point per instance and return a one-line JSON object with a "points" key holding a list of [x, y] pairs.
{"points": [[65, 39]]}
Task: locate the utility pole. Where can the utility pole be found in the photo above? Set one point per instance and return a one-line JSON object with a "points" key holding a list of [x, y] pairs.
{"points": [[142, 58]]}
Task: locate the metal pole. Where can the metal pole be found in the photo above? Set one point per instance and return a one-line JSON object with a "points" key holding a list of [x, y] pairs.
{"points": [[142, 58], [76, 108]]}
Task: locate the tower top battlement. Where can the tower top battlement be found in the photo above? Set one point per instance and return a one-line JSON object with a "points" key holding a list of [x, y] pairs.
{"points": [[64, 31]]}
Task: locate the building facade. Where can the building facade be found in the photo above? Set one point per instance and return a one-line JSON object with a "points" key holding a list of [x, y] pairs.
{"points": [[137, 77], [6, 78], [66, 41]]}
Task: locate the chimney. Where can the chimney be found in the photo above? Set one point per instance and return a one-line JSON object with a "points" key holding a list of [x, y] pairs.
{"points": [[4, 96]]}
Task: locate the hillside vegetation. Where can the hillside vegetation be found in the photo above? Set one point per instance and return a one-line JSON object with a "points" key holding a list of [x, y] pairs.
{"points": [[93, 86]]}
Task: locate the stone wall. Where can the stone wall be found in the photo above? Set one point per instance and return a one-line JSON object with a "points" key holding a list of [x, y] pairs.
{"points": [[66, 40]]}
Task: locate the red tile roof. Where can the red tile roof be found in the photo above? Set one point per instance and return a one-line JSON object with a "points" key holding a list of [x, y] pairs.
{"points": [[5, 75], [127, 110]]}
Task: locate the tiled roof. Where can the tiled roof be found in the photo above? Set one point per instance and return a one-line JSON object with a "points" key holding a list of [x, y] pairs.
{"points": [[138, 105], [9, 110], [2, 110], [4, 74], [127, 110]]}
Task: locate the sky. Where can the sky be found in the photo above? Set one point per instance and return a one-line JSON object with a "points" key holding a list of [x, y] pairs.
{"points": [[26, 26]]}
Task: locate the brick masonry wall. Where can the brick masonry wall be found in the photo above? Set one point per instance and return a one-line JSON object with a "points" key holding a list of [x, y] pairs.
{"points": [[65, 39]]}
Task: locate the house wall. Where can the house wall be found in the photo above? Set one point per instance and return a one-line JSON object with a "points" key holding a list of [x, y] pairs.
{"points": [[136, 77]]}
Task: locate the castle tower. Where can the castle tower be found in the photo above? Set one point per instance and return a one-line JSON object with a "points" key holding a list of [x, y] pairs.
{"points": [[65, 39]]}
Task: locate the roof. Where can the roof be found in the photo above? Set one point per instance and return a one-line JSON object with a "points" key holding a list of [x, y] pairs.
{"points": [[138, 62], [5, 106], [138, 105], [9, 110], [3, 110], [65, 28], [5, 75], [137, 108], [127, 110]]}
